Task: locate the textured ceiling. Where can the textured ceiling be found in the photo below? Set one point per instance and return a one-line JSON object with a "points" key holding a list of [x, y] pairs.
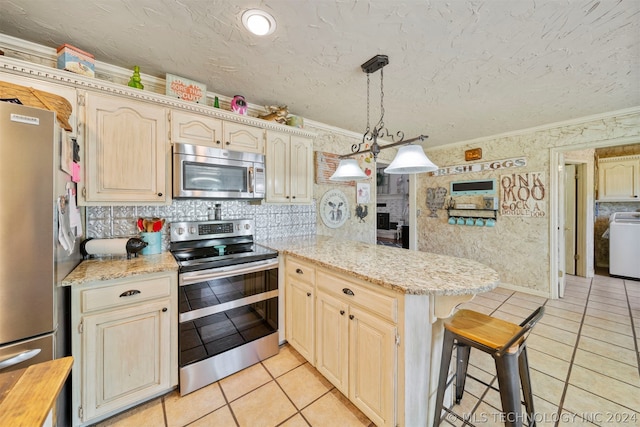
{"points": [[458, 69]]}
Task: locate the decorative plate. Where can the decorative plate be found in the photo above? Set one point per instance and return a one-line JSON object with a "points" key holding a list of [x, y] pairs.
{"points": [[334, 208]]}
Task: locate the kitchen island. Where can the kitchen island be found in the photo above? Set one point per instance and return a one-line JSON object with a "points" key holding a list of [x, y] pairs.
{"points": [[369, 318]]}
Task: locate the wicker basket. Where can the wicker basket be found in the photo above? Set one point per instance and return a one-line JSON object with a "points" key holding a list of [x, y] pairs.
{"points": [[37, 98]]}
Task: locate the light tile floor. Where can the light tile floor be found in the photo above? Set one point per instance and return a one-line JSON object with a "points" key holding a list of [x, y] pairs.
{"points": [[583, 358]]}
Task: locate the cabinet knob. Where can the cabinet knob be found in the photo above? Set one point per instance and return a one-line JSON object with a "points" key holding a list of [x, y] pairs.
{"points": [[351, 316], [308, 294], [293, 197], [129, 293], [164, 309], [299, 271], [347, 291], [218, 142], [228, 143], [159, 194], [341, 312]]}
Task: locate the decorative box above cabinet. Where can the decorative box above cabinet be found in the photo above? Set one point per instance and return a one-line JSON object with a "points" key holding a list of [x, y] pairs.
{"points": [[192, 128], [619, 179], [289, 164], [126, 152]]}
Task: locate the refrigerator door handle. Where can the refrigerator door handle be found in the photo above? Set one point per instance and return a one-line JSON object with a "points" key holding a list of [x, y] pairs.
{"points": [[17, 358]]}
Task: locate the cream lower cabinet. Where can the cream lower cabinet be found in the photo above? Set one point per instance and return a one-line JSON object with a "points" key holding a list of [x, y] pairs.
{"points": [[126, 152], [356, 348], [289, 164], [124, 344], [197, 129], [300, 308]]}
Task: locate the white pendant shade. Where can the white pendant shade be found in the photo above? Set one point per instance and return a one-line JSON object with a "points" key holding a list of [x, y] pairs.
{"points": [[348, 170], [410, 159]]}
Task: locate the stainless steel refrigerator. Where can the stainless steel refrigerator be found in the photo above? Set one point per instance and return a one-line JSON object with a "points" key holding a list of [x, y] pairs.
{"points": [[34, 310]]}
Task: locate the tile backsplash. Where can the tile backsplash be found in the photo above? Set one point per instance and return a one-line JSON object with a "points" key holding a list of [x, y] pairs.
{"points": [[272, 221]]}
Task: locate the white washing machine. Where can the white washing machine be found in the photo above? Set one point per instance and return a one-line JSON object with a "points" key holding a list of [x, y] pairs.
{"points": [[624, 244]]}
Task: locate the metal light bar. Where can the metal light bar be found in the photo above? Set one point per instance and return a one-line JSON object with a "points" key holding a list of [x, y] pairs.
{"points": [[382, 147]]}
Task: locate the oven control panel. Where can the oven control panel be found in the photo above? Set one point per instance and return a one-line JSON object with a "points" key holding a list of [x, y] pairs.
{"points": [[200, 230]]}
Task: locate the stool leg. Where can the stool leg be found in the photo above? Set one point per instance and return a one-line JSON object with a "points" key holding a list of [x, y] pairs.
{"points": [[445, 361], [525, 379], [509, 385], [462, 362]]}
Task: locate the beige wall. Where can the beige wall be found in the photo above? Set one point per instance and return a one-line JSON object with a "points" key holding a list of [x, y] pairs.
{"points": [[517, 247]]}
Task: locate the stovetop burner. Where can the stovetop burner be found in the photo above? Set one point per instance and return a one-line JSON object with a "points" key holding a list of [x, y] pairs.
{"points": [[203, 245]]}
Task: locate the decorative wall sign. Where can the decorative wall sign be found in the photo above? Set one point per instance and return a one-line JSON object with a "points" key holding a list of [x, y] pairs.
{"points": [[334, 208], [523, 194], [495, 165], [363, 192], [473, 154], [185, 89], [435, 200]]}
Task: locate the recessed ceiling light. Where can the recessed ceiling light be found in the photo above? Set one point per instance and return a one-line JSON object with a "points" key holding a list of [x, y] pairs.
{"points": [[258, 22]]}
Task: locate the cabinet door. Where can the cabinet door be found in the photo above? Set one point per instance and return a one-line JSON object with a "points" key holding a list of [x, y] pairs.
{"points": [[332, 340], [241, 137], [195, 129], [372, 366], [619, 179], [126, 152], [301, 169], [277, 165], [300, 318], [126, 357]]}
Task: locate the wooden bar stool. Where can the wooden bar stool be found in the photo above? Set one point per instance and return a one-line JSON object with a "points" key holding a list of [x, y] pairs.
{"points": [[505, 342]]}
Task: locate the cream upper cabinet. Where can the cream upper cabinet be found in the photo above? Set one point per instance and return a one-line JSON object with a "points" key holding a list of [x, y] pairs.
{"points": [[189, 128], [299, 311], [124, 343], [239, 137], [126, 152], [198, 129], [289, 164], [619, 178]]}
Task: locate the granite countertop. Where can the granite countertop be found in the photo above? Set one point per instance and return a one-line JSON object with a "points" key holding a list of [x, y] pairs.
{"points": [[402, 270], [114, 267]]}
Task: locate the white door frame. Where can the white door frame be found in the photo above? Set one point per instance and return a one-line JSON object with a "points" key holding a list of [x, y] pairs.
{"points": [[556, 164]]}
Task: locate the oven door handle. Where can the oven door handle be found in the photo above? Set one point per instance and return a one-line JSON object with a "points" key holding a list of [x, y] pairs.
{"points": [[192, 277]]}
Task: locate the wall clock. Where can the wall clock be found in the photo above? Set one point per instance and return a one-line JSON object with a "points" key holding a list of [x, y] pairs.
{"points": [[334, 208]]}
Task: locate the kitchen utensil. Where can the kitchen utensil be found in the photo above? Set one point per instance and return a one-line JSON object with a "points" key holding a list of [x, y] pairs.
{"points": [[140, 224], [452, 220], [460, 221], [470, 221], [479, 222]]}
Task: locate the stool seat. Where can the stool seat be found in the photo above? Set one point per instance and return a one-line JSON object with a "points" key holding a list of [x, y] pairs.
{"points": [[486, 330], [506, 343]]}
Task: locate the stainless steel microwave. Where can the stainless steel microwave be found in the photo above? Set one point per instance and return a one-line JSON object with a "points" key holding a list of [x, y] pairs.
{"points": [[201, 172]]}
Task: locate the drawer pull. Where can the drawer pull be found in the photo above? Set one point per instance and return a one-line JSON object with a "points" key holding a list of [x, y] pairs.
{"points": [[347, 291], [129, 293], [341, 312], [164, 309], [308, 294], [351, 316], [299, 271]]}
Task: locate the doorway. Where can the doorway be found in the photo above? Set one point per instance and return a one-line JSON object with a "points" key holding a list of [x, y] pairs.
{"points": [[392, 208]]}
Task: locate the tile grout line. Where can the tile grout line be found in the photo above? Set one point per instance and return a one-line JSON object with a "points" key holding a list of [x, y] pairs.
{"points": [[633, 329], [573, 356]]}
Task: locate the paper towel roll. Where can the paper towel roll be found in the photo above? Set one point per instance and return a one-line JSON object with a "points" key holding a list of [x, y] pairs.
{"points": [[106, 246]]}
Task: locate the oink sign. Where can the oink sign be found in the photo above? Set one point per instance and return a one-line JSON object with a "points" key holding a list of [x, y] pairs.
{"points": [[523, 194]]}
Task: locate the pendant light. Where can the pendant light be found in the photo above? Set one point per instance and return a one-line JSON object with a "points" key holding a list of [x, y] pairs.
{"points": [[409, 159]]}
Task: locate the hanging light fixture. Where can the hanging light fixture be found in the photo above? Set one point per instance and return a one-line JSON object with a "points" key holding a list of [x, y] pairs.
{"points": [[409, 159]]}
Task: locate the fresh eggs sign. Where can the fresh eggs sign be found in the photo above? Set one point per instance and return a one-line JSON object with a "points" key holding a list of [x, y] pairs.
{"points": [[523, 194]]}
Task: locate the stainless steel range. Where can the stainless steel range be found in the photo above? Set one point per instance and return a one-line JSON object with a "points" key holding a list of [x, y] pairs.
{"points": [[228, 300]]}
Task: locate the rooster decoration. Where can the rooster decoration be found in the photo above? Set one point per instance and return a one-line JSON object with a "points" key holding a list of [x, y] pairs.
{"points": [[362, 211]]}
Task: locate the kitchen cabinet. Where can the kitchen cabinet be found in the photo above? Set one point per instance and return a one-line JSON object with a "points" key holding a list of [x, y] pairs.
{"points": [[619, 179], [356, 346], [126, 152], [124, 343], [300, 308], [198, 129], [289, 164]]}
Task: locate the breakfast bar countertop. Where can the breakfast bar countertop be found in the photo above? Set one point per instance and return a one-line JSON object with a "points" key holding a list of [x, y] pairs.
{"points": [[115, 267], [402, 270]]}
